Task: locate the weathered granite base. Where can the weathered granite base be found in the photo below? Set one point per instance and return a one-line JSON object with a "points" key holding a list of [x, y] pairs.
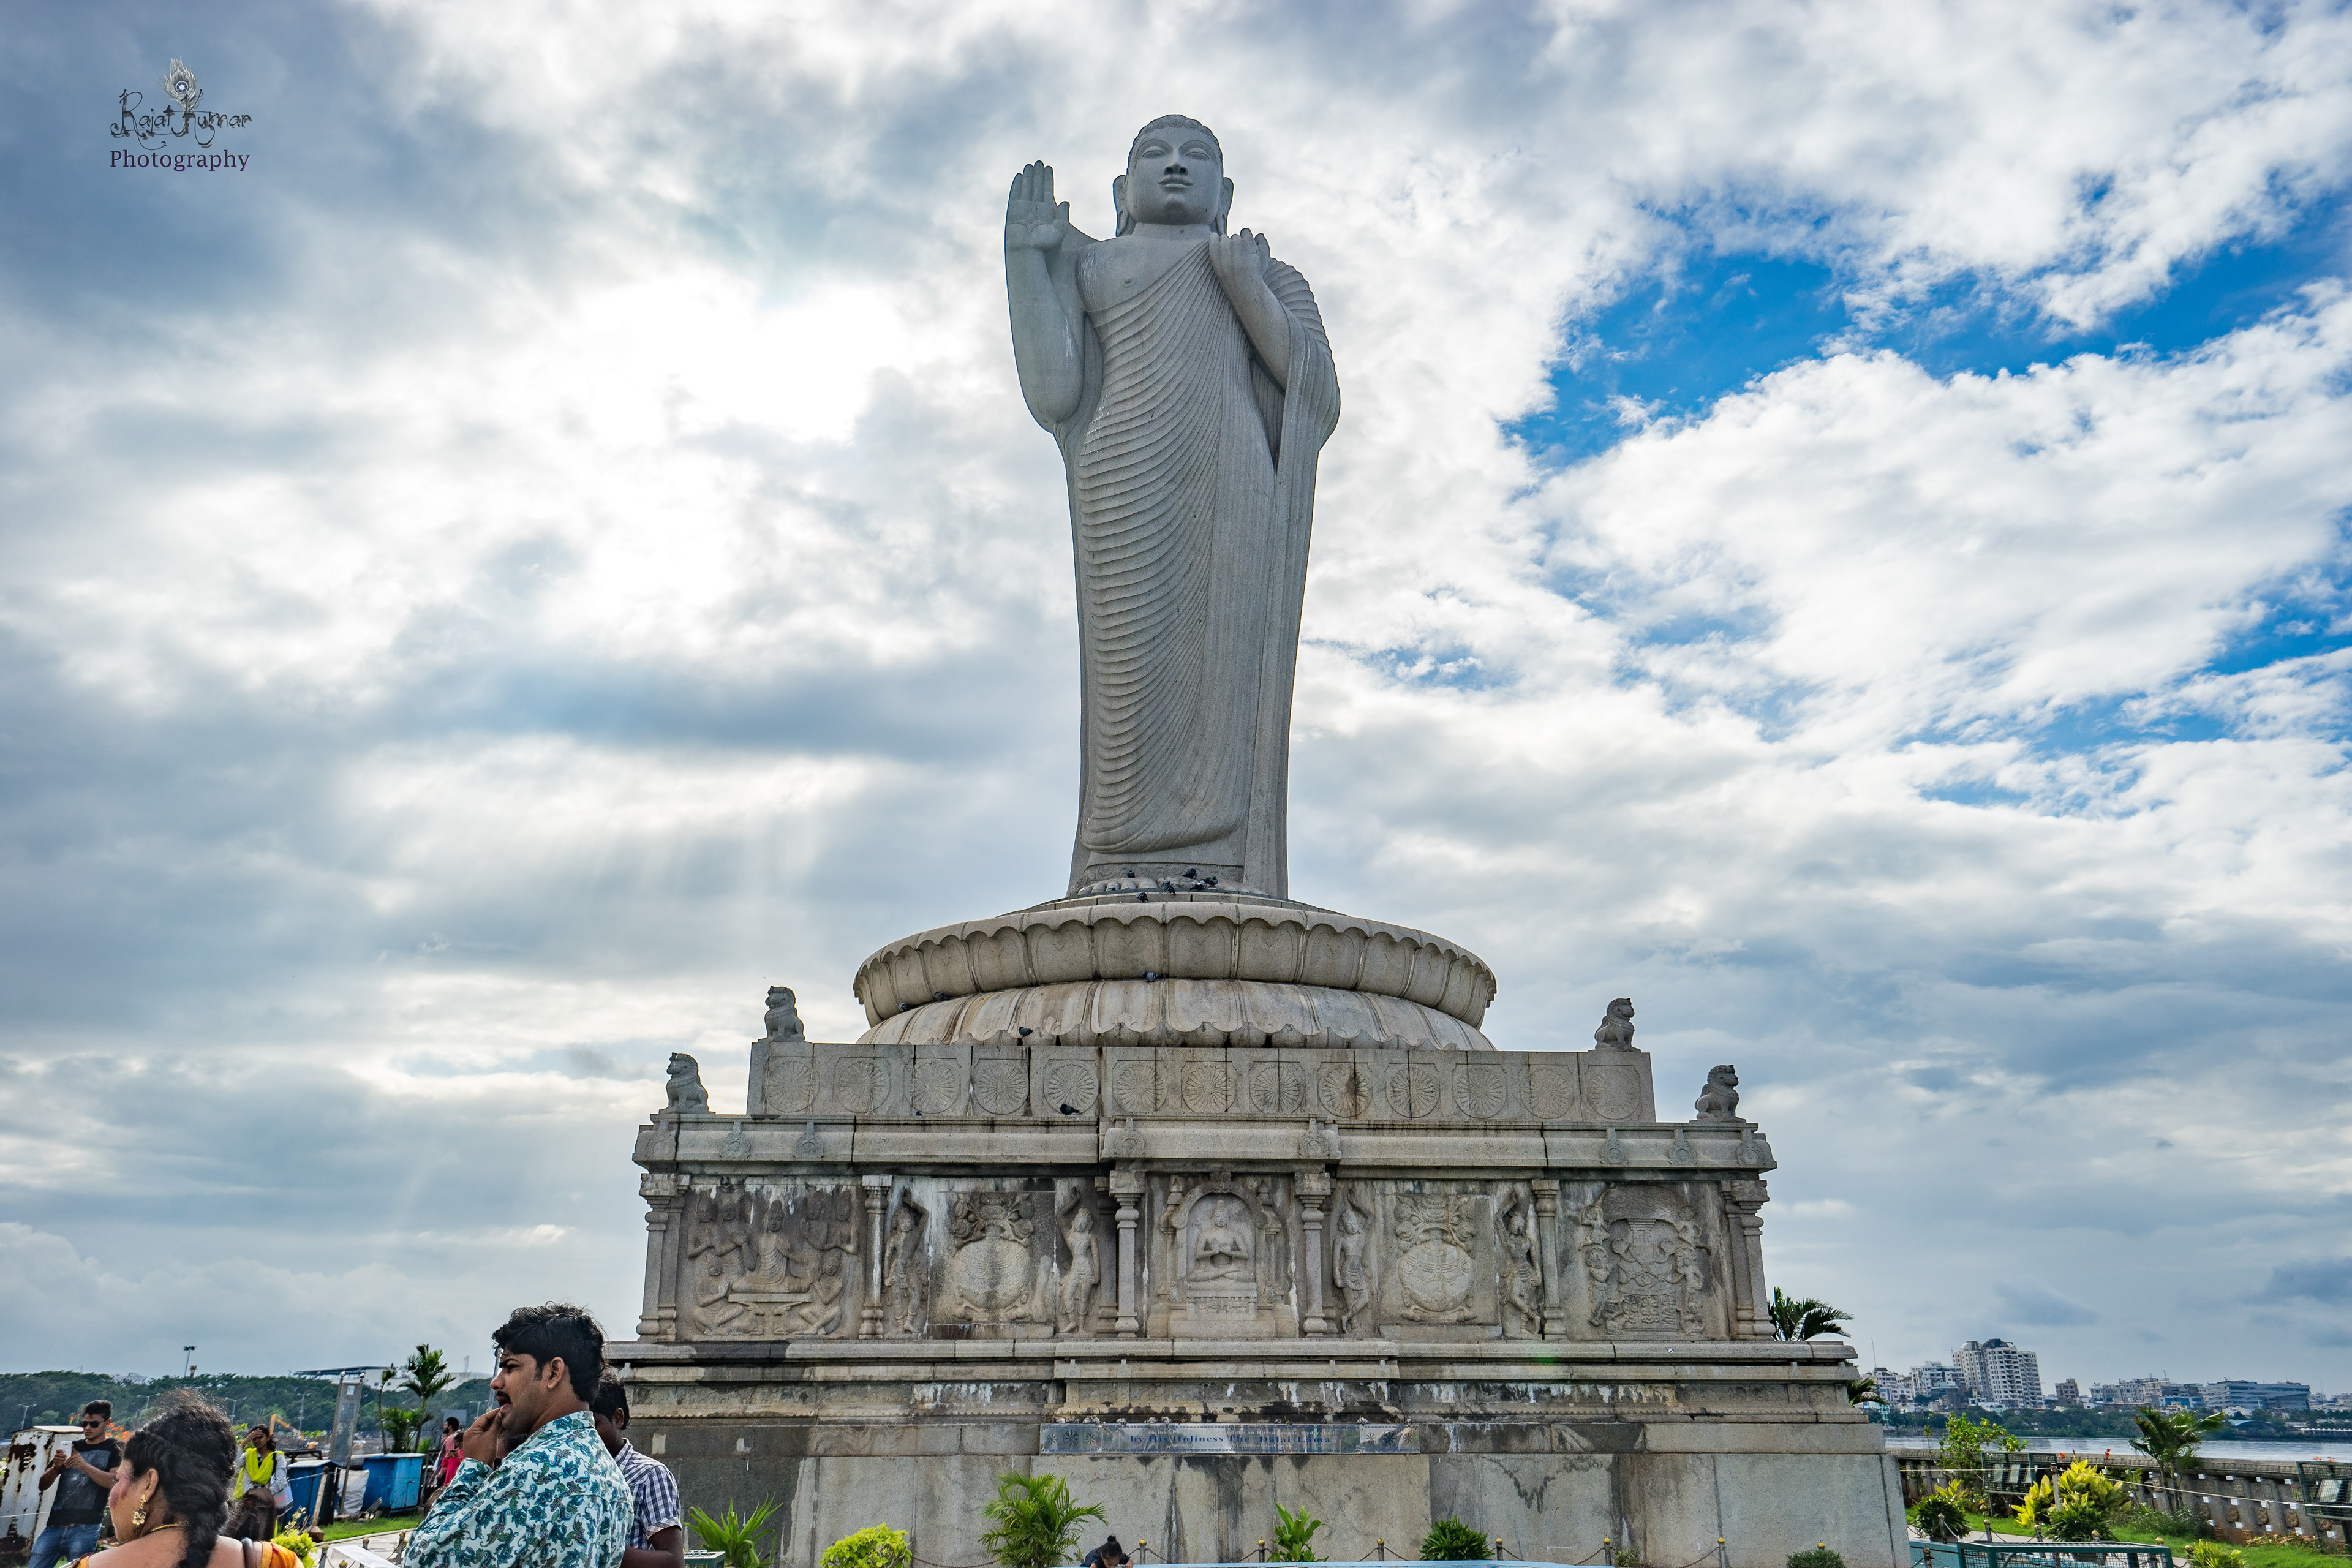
{"points": [[1665, 1447], [1516, 1295]]}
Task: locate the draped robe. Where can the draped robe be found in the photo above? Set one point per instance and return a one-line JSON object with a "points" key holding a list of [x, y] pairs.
{"points": [[1192, 488]]}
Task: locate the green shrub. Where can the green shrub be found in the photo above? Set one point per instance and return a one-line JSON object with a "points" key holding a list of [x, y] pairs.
{"points": [[1451, 1540], [1942, 1514], [736, 1537], [2074, 1505], [1034, 1522], [2136, 1523], [2213, 1555], [1627, 1558], [876, 1546], [1816, 1557], [1291, 1538]]}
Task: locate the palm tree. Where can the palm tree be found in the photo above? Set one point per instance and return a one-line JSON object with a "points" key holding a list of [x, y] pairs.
{"points": [[1795, 1318], [1863, 1390], [425, 1374], [2171, 1439]]}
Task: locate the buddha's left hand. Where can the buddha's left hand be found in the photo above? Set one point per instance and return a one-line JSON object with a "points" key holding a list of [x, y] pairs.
{"points": [[1239, 259]]}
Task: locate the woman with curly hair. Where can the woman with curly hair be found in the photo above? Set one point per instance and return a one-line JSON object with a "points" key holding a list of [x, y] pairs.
{"points": [[171, 1497]]}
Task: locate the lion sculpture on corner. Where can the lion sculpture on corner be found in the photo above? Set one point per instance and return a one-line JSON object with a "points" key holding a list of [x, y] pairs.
{"points": [[686, 1090], [1719, 1101]]}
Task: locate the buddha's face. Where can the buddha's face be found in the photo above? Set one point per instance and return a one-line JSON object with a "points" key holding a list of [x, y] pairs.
{"points": [[1175, 178]]}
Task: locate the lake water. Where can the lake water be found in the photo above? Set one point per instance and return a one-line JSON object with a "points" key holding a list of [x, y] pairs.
{"points": [[2336, 1449]]}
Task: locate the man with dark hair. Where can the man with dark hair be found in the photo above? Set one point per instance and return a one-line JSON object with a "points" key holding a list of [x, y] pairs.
{"points": [[79, 1471], [537, 1489], [658, 1541]]}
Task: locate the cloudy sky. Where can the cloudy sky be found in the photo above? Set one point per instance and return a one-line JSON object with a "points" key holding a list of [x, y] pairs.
{"points": [[1838, 530]]}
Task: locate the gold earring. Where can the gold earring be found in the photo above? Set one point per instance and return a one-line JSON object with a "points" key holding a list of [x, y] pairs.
{"points": [[138, 1518]]}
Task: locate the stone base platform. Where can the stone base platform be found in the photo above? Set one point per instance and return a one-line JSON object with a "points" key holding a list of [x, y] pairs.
{"points": [[1158, 966], [1553, 1447], [1388, 1285]]}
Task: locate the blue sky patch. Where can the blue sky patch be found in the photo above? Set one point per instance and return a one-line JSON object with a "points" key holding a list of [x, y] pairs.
{"points": [[1706, 322]]}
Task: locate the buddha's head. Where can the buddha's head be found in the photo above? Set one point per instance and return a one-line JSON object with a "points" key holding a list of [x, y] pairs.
{"points": [[1175, 174]]}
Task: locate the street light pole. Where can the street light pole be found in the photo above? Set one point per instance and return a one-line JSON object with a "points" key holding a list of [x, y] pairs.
{"points": [[191, 1358]]}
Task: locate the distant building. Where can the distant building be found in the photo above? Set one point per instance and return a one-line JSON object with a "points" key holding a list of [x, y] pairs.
{"points": [[2237, 1393], [1998, 1373], [2159, 1392], [1924, 1384], [2067, 1392], [1893, 1386]]}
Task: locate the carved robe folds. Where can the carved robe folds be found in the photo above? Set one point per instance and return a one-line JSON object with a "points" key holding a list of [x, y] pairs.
{"points": [[1192, 496]]}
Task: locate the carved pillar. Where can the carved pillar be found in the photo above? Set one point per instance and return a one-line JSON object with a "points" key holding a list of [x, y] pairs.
{"points": [[877, 1198], [1555, 1316], [1313, 1186], [1127, 1187], [664, 1195], [1751, 1310]]}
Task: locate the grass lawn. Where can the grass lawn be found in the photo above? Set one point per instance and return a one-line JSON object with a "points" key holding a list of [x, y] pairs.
{"points": [[2283, 1555], [343, 1529]]}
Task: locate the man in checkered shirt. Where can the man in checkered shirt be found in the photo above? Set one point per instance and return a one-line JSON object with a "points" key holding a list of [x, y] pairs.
{"points": [[657, 1541]]}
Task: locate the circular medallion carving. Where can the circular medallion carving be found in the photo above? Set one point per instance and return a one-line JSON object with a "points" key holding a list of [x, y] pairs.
{"points": [[1413, 1091], [1137, 1084], [1000, 1087], [1481, 1091], [859, 1084], [1204, 1087], [1613, 1091], [1342, 1090], [1070, 1083], [993, 1274], [791, 1085], [1436, 1277], [1551, 1093], [1277, 1088], [937, 1088]]}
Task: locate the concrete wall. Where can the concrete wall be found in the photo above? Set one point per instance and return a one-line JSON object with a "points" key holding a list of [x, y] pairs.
{"points": [[1547, 1506]]}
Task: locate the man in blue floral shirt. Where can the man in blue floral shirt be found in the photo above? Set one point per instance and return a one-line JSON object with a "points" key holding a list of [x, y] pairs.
{"points": [[538, 1488]]}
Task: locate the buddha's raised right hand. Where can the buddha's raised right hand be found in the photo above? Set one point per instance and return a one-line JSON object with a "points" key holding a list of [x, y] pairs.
{"points": [[1032, 219]]}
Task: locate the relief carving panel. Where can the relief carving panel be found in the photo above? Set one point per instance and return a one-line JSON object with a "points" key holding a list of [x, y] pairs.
{"points": [[994, 1272], [764, 1265], [1435, 1269], [1644, 1262]]}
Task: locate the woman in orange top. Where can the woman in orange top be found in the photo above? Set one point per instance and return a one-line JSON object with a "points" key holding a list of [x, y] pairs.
{"points": [[171, 1498]]}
